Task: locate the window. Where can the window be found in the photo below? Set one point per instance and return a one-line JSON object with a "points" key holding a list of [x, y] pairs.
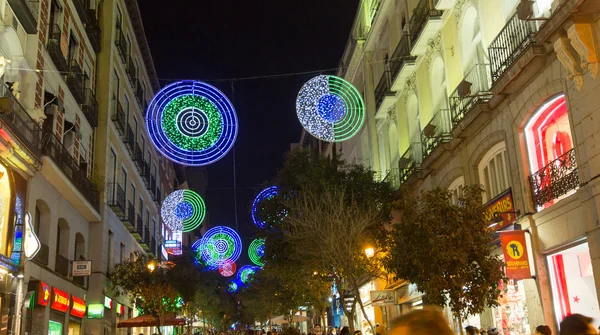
{"points": [[508, 8], [36, 221], [116, 86], [136, 67], [119, 17], [437, 78], [133, 190], [112, 166], [121, 253], [143, 144], [110, 251], [141, 208], [492, 171], [124, 181], [148, 220], [135, 128], [128, 39], [456, 188], [126, 106], [73, 52], [55, 17]]}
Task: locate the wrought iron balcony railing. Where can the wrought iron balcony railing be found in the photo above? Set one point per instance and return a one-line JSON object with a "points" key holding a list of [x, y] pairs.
{"points": [[118, 116], [90, 107], [474, 89], [509, 44], [54, 149], [129, 140], [436, 132], [20, 123], [383, 89], [55, 50], [554, 180], [139, 228], [75, 79], [27, 12], [121, 43], [420, 15], [393, 177], [401, 56], [82, 10], [131, 72], [410, 162], [93, 31], [62, 265], [116, 199], [129, 218]]}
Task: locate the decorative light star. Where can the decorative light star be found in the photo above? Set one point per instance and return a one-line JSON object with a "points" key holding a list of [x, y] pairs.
{"points": [[330, 108], [192, 123], [183, 210], [256, 251], [219, 245], [246, 272]]}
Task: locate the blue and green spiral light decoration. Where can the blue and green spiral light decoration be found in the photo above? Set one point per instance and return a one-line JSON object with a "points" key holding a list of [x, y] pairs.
{"points": [[183, 210], [192, 123], [256, 251], [218, 246], [330, 108], [246, 272], [265, 194]]}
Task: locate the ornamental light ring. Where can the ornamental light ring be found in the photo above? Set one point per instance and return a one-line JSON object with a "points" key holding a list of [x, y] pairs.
{"points": [[233, 286], [256, 251], [265, 194], [192, 123], [245, 273], [183, 210], [330, 108], [227, 269], [219, 245]]}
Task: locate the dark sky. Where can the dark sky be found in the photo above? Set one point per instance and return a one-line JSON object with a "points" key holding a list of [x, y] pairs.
{"points": [[212, 40]]}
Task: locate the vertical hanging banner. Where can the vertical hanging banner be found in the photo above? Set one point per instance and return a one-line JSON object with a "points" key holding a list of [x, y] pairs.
{"points": [[516, 257]]}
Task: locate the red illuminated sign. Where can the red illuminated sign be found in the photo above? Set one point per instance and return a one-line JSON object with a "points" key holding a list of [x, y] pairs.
{"points": [[501, 204], [43, 294], [77, 307], [60, 300]]}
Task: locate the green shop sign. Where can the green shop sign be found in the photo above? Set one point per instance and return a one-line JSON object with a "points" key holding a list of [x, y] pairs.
{"points": [[95, 311]]}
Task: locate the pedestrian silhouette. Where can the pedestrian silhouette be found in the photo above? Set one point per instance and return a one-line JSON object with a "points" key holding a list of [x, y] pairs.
{"points": [[515, 250]]}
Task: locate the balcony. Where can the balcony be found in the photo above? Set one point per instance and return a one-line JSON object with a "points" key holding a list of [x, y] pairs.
{"points": [[55, 50], [512, 41], [129, 218], [436, 132], [129, 140], [139, 95], [402, 63], [118, 116], [90, 107], [138, 158], [62, 265], [82, 10], [14, 117], [69, 178], [384, 97], [424, 23], [471, 93], [121, 44], [139, 228], [75, 82], [410, 163], [116, 199], [43, 255], [393, 177], [554, 180], [27, 12], [131, 72], [93, 31], [444, 4]]}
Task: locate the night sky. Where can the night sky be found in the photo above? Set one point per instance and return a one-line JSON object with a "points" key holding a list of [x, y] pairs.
{"points": [[218, 40]]}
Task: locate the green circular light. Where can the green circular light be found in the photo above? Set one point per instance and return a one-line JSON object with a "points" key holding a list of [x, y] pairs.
{"points": [[256, 251], [198, 213]]}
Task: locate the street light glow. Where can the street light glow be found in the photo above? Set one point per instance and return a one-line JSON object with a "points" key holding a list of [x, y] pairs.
{"points": [[370, 252]]}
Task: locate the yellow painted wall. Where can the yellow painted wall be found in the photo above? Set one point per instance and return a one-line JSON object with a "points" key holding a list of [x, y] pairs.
{"points": [[450, 43], [491, 18]]}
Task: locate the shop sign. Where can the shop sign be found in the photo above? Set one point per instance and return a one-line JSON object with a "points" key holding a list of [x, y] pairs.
{"points": [[173, 247], [164, 252], [43, 294], [95, 311], [516, 257], [77, 307], [383, 298], [108, 302], [120, 309], [501, 204], [60, 300], [32, 243], [82, 268], [407, 293], [54, 328]]}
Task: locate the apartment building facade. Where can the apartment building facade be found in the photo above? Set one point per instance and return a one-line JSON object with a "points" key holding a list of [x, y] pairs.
{"points": [[500, 93]]}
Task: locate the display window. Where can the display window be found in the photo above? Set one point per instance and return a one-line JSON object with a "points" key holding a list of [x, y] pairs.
{"points": [[511, 316], [74, 327], [573, 286]]}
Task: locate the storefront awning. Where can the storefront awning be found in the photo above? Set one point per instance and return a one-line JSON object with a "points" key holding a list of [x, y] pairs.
{"points": [[150, 321]]}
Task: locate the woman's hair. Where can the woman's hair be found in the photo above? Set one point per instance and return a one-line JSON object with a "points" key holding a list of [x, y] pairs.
{"points": [[543, 329], [424, 322], [575, 324], [345, 331]]}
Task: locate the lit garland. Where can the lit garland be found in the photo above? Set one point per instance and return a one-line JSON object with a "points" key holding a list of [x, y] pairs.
{"points": [[227, 269], [245, 273], [192, 123], [183, 210], [219, 245], [256, 251], [265, 194], [330, 108]]}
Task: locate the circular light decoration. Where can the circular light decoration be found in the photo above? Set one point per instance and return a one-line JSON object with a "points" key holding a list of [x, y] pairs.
{"points": [[245, 273], [219, 245], [330, 108], [256, 251], [227, 269], [233, 286], [196, 245], [192, 123], [266, 194], [183, 210]]}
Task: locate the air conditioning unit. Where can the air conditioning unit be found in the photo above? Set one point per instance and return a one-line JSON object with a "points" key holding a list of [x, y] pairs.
{"points": [[464, 89], [525, 9]]}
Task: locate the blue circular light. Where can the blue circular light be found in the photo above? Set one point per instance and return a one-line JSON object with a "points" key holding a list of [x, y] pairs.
{"points": [[260, 251], [184, 210], [331, 108], [266, 194]]}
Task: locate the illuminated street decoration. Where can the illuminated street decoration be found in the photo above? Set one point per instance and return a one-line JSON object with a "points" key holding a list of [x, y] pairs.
{"points": [[266, 194], [256, 251], [192, 123], [227, 269], [219, 245], [183, 210], [233, 286], [246, 272], [330, 108]]}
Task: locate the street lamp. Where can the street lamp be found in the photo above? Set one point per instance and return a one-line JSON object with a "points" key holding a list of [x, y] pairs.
{"points": [[370, 252], [151, 266]]}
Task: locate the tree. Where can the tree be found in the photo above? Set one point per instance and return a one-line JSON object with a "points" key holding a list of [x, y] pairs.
{"points": [[444, 249]]}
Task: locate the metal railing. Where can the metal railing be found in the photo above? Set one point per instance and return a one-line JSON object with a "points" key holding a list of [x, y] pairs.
{"points": [[75, 81], [410, 162], [61, 265], [20, 123], [93, 31], [554, 180], [121, 43], [440, 131], [129, 218], [27, 11], [131, 72], [509, 44], [383, 89], [138, 157], [474, 89], [118, 116], [55, 50], [116, 199], [42, 256], [52, 148], [129, 139], [82, 10], [420, 15], [401, 56], [393, 177], [90, 107]]}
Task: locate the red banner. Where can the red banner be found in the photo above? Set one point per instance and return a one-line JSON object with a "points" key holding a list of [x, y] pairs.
{"points": [[60, 300], [77, 307], [516, 257], [501, 204], [43, 294]]}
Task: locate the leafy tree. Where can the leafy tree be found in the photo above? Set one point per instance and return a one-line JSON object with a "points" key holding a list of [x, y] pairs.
{"points": [[444, 249]]}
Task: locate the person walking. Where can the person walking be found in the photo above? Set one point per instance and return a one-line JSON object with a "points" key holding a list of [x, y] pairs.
{"points": [[577, 324], [543, 330], [426, 321]]}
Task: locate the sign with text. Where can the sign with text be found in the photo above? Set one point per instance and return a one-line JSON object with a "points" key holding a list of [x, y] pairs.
{"points": [[383, 298], [43, 294], [501, 204], [173, 247], [60, 300], [95, 311], [516, 256], [77, 307], [82, 268]]}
